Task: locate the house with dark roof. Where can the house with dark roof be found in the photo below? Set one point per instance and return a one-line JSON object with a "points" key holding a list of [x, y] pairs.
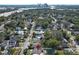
{"points": [[12, 41]]}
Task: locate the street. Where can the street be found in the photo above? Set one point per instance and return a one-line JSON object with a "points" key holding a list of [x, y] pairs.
{"points": [[27, 40]]}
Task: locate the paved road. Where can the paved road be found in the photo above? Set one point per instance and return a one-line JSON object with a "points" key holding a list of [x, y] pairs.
{"points": [[55, 20], [27, 43]]}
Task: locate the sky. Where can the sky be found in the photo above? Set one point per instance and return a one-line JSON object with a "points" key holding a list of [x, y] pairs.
{"points": [[50, 2]]}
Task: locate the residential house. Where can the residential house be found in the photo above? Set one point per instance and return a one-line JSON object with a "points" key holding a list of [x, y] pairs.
{"points": [[19, 31], [12, 41], [39, 33]]}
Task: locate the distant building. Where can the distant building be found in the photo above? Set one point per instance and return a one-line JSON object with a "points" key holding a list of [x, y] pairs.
{"points": [[43, 6]]}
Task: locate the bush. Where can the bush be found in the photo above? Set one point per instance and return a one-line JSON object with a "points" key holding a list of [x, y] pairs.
{"points": [[59, 52], [25, 51]]}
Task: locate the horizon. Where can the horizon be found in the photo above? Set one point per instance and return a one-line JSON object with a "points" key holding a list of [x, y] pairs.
{"points": [[35, 2]]}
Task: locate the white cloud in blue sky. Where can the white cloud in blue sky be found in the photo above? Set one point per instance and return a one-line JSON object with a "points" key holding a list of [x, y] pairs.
{"points": [[39, 1]]}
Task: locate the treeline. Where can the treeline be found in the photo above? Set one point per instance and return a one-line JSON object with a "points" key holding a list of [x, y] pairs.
{"points": [[67, 6]]}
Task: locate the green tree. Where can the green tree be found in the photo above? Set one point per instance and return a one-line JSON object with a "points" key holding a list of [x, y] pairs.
{"points": [[48, 34], [77, 37], [2, 36], [43, 22], [2, 18], [53, 42], [25, 51]]}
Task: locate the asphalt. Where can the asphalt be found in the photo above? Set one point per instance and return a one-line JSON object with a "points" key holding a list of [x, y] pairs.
{"points": [[27, 40]]}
